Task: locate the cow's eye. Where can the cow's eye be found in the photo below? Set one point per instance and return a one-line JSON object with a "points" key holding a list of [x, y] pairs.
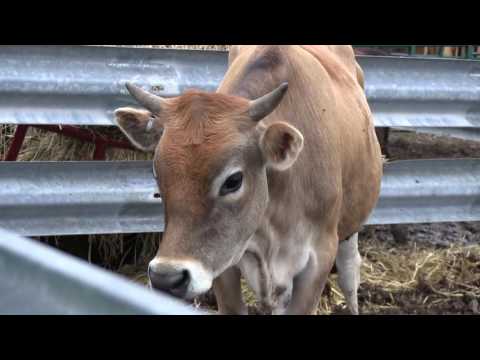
{"points": [[232, 184]]}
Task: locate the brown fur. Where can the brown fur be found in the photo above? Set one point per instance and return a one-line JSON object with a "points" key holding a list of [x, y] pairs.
{"points": [[335, 182], [338, 143], [312, 171], [198, 116]]}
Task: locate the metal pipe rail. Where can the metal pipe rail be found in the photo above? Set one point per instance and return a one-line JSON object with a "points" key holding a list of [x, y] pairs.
{"points": [[36, 279], [66, 198], [82, 85]]}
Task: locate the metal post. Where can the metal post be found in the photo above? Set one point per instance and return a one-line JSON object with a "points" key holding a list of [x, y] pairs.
{"points": [[100, 150], [470, 52], [17, 143]]}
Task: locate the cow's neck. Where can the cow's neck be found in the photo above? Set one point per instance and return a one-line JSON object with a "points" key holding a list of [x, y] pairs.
{"points": [[281, 247], [276, 253]]}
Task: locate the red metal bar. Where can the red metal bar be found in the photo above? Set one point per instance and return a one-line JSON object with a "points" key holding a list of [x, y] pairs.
{"points": [[101, 142], [100, 150], [17, 143], [85, 135]]}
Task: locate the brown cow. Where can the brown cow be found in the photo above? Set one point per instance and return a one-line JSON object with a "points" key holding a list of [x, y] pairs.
{"points": [[261, 181]]}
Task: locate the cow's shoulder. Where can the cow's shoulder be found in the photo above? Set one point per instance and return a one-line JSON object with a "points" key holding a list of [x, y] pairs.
{"points": [[337, 59], [236, 50], [233, 53], [341, 53], [255, 69], [344, 54]]}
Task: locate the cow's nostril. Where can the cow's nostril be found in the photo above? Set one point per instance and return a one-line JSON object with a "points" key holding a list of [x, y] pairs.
{"points": [[183, 280], [173, 281]]}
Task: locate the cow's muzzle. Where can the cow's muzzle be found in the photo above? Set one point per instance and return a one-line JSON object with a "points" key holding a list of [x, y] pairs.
{"points": [[180, 278], [173, 281]]}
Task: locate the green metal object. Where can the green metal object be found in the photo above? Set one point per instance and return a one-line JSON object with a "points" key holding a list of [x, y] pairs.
{"points": [[470, 52]]}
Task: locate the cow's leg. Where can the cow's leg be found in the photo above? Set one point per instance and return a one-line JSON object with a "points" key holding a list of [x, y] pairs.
{"points": [[228, 293], [309, 284], [348, 263]]}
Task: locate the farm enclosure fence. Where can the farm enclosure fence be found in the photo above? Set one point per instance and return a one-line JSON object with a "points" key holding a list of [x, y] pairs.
{"points": [[78, 86]]}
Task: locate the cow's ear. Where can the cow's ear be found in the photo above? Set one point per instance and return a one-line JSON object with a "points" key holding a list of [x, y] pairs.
{"points": [[141, 127], [281, 144]]}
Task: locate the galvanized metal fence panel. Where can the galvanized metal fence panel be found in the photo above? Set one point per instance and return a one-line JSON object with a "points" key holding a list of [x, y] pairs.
{"points": [[36, 279], [427, 191], [67, 198], [59, 198], [437, 96], [89, 85], [461, 51], [82, 85], [64, 198], [410, 92]]}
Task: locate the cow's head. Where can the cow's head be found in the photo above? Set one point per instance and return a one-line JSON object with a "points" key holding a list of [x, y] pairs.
{"points": [[211, 156]]}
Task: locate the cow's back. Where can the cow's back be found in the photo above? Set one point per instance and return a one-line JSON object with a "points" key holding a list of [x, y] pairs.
{"points": [[336, 179]]}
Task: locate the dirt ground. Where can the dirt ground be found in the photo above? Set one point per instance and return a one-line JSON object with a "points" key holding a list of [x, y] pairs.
{"points": [[442, 256]]}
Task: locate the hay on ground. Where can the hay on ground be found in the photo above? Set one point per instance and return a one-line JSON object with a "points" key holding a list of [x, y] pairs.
{"points": [[396, 279]]}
